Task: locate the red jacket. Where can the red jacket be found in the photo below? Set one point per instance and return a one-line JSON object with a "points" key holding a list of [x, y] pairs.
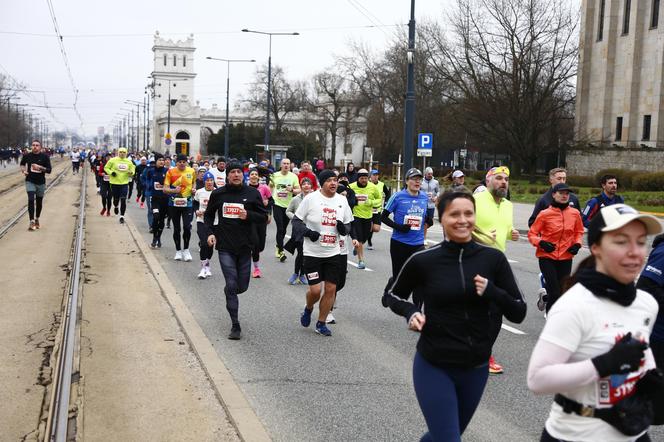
{"points": [[311, 176], [563, 228]]}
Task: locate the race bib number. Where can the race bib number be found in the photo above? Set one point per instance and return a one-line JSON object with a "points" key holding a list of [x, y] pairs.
{"points": [[328, 240], [122, 167], [180, 202], [312, 276], [615, 388], [362, 199], [106, 178], [35, 168], [282, 194], [414, 221], [232, 210], [158, 186], [220, 181]]}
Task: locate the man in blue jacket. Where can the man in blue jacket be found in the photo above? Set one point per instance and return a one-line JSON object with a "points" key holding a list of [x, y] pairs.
{"points": [[608, 197]]}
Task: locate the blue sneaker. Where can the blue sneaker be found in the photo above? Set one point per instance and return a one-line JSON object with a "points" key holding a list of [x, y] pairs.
{"points": [[303, 280], [361, 266], [322, 329], [293, 279], [305, 318]]}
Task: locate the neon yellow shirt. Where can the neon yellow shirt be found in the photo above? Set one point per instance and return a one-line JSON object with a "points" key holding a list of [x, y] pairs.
{"points": [[281, 196], [368, 198], [124, 169], [491, 216]]}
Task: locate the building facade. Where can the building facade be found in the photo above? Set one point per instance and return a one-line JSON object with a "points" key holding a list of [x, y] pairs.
{"points": [[620, 95]]}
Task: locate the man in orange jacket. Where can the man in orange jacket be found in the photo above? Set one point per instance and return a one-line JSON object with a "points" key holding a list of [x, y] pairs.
{"points": [[557, 234]]}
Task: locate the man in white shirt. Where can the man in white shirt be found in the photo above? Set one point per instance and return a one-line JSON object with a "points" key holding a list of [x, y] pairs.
{"points": [[219, 172]]}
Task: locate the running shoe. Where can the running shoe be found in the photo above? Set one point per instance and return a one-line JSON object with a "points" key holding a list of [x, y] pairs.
{"points": [[330, 319], [541, 299], [278, 253], [283, 257], [179, 256], [257, 273], [303, 280], [361, 265], [494, 367], [108, 212], [32, 226], [186, 255], [208, 273], [116, 210], [305, 317], [236, 333], [37, 226], [159, 244], [137, 198], [293, 279], [103, 211], [121, 219], [202, 274], [142, 205], [154, 244], [370, 247], [322, 329]]}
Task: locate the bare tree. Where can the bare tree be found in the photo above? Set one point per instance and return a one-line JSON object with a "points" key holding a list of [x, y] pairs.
{"points": [[510, 68]]}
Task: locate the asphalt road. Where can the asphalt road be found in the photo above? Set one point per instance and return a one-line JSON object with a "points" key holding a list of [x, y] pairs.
{"points": [[357, 384]]}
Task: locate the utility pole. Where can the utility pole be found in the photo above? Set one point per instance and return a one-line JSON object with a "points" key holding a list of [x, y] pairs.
{"points": [[409, 125]]}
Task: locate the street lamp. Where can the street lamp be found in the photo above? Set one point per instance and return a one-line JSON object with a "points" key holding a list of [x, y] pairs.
{"points": [[138, 121], [269, 80], [409, 121], [228, 79], [168, 125]]}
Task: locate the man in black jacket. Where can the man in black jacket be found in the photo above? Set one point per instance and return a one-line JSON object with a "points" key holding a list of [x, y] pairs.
{"points": [[237, 207], [34, 166], [556, 176]]}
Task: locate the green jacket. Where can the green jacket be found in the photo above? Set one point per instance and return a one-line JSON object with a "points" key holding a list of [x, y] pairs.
{"points": [[124, 170], [368, 199]]}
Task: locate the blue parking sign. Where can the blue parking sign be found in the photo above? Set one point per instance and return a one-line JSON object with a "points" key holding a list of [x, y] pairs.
{"points": [[425, 141]]}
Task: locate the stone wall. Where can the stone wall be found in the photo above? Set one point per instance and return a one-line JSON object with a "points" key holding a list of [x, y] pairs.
{"points": [[589, 162]]}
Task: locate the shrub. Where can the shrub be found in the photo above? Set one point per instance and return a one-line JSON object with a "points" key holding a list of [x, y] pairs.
{"points": [[625, 177], [581, 181], [649, 181]]}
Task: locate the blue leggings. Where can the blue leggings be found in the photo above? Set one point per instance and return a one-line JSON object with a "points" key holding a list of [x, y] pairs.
{"points": [[448, 397]]}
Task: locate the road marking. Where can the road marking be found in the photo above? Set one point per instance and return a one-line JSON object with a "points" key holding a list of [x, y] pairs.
{"points": [[366, 269], [516, 331]]}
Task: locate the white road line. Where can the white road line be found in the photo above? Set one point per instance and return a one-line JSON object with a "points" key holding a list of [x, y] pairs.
{"points": [[366, 269], [516, 331]]}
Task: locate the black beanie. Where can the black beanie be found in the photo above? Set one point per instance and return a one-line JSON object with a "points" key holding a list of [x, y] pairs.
{"points": [[326, 175]]}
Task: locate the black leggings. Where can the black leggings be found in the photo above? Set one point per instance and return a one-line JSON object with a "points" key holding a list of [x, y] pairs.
{"points": [[554, 272], [236, 268], [31, 205], [119, 192], [400, 252], [186, 214], [159, 204], [206, 250], [282, 221], [299, 259], [105, 192]]}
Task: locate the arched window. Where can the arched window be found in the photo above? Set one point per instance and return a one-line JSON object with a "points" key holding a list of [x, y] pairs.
{"points": [[164, 59], [182, 135], [184, 60], [175, 60]]}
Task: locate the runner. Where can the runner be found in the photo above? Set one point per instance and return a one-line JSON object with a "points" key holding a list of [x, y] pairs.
{"points": [[307, 172], [368, 199], [431, 188], [261, 228], [219, 172], [557, 234], [201, 198], [178, 184], [458, 182], [607, 197], [593, 352], [556, 176], [237, 207], [652, 281], [409, 208], [147, 190], [320, 221], [159, 200], [104, 185], [284, 186], [35, 165], [298, 272], [458, 281], [385, 194], [351, 172], [121, 169], [494, 214], [75, 156], [140, 190]]}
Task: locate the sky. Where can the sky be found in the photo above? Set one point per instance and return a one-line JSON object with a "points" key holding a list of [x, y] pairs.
{"points": [[108, 45]]}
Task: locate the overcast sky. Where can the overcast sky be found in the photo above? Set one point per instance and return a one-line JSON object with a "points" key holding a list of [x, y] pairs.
{"points": [[108, 44]]}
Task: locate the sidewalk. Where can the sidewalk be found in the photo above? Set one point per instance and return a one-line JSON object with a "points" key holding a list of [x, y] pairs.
{"points": [[140, 380]]}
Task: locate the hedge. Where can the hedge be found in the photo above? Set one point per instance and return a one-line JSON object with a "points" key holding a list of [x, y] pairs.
{"points": [[649, 181], [625, 177]]}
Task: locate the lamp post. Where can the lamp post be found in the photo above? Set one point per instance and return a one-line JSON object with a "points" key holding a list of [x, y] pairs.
{"points": [[269, 80], [409, 121], [138, 121], [228, 82], [128, 132]]}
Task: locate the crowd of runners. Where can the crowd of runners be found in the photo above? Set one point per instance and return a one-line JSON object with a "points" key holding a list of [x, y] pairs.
{"points": [[603, 338]]}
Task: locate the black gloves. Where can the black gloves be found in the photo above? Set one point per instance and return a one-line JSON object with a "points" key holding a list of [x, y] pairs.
{"points": [[113, 173], [547, 246], [403, 228], [341, 228], [623, 358], [312, 235], [574, 249]]}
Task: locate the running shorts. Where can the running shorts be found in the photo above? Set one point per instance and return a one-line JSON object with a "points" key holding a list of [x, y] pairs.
{"points": [[362, 228], [318, 270]]}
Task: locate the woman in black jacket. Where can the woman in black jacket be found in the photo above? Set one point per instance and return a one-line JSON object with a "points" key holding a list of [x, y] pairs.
{"points": [[459, 283]]}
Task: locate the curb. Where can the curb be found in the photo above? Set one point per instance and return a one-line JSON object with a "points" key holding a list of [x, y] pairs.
{"points": [[238, 410]]}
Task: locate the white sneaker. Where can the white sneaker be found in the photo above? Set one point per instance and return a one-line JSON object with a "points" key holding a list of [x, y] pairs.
{"points": [[179, 256], [208, 273], [202, 274], [330, 319], [186, 255]]}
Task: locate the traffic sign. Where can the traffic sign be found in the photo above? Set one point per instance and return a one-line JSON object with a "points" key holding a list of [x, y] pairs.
{"points": [[168, 136], [424, 145], [168, 141]]}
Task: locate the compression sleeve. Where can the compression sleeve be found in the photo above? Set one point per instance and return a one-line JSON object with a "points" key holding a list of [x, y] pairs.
{"points": [[385, 218], [549, 372]]}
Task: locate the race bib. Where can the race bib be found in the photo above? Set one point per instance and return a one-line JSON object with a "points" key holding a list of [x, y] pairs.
{"points": [[158, 186], [35, 168], [328, 240], [122, 167], [220, 181], [204, 203], [329, 217], [232, 210], [282, 194], [414, 221], [106, 178], [362, 199], [180, 202]]}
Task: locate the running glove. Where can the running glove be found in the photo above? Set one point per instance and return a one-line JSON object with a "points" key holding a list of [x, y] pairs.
{"points": [[113, 173], [403, 228], [574, 249], [547, 246], [623, 358], [312, 235], [341, 228]]}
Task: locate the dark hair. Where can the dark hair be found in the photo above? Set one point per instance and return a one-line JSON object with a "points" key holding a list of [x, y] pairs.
{"points": [[36, 141], [221, 160], [446, 199], [588, 262], [607, 177]]}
